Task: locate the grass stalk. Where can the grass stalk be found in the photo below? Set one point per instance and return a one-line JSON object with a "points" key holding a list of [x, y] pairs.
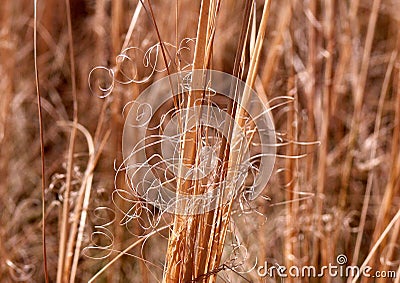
{"points": [[358, 103], [311, 85], [233, 161], [117, 11], [291, 185], [207, 238], [274, 54], [63, 273], [391, 189], [371, 176], [326, 100], [136, 243], [41, 134], [310, 89], [378, 243], [183, 236]]}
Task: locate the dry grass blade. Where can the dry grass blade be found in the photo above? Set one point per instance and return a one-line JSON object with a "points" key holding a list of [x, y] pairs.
{"points": [[39, 103], [207, 240], [377, 243], [391, 189], [85, 206], [326, 101], [180, 263], [372, 156], [358, 101], [285, 14], [63, 273], [126, 250], [291, 164], [81, 206], [182, 238]]}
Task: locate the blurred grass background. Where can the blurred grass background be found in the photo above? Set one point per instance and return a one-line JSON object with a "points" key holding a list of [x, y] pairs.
{"points": [[338, 59]]}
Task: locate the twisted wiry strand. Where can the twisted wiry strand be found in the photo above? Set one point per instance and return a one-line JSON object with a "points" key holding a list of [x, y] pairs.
{"points": [[20, 272], [135, 65]]}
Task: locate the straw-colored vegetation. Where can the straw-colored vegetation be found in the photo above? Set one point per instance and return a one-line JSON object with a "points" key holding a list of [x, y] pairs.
{"points": [[330, 72]]}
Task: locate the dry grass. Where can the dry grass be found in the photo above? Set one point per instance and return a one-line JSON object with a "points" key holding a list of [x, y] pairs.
{"points": [[331, 73]]}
